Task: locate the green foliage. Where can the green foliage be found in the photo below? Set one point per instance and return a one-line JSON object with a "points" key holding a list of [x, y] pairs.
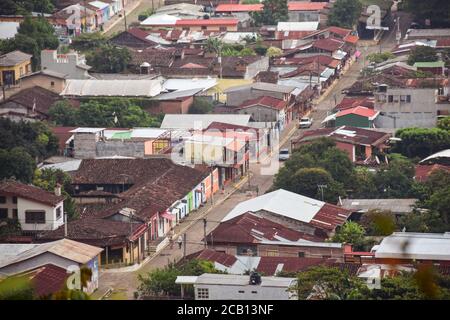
{"points": [[47, 179], [261, 50], [274, 52], [422, 54], [9, 227], [108, 59], [214, 45], [25, 7], [102, 113], [436, 10], [364, 184], [16, 163], [350, 232], [161, 282], [273, 12], [33, 35], [88, 41], [422, 221], [236, 50], [325, 164], [378, 223], [444, 124], [328, 283], [380, 57], [16, 288], [200, 106], [250, 2], [344, 13], [421, 142]]}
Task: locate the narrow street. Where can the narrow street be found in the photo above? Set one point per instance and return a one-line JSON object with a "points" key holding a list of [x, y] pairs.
{"points": [[124, 284]]}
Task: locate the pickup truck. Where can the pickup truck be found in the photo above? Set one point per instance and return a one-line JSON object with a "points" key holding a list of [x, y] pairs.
{"points": [[305, 122]]}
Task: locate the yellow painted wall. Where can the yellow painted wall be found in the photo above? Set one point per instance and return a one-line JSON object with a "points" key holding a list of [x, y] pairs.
{"points": [[26, 69], [224, 84]]}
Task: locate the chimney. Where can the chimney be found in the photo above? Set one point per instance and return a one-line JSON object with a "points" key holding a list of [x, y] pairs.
{"points": [[65, 225], [58, 190]]}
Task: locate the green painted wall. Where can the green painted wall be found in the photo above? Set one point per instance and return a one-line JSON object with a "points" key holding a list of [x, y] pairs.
{"points": [[354, 121]]}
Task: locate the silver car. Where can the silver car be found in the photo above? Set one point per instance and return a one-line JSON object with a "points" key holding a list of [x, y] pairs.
{"points": [[283, 155], [305, 122]]}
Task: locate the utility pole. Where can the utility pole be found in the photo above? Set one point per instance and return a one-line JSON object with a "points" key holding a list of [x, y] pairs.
{"points": [[125, 14], [321, 187], [204, 232], [184, 246]]}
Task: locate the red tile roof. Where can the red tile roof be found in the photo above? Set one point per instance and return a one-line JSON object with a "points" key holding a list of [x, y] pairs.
{"points": [[47, 279], [351, 102], [139, 33], [423, 171], [18, 189], [63, 134], [227, 126], [266, 101], [443, 43], [339, 31], [207, 22], [360, 111], [351, 39], [248, 228]]}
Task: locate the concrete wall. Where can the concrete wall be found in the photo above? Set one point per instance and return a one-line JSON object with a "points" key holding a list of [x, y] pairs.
{"points": [[174, 106], [125, 148], [348, 148], [64, 64], [85, 145], [262, 114], [247, 292], [51, 222], [420, 112], [254, 68], [303, 16], [50, 83], [294, 251]]}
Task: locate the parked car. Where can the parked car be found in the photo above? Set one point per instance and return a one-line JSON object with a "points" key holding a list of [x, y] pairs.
{"points": [[305, 122], [283, 155]]}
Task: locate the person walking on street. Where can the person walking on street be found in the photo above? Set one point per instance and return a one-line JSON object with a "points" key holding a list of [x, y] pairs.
{"points": [[171, 239], [180, 241]]}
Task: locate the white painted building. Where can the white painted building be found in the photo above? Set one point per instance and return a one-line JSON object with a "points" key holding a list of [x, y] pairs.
{"points": [[210, 286], [34, 208]]}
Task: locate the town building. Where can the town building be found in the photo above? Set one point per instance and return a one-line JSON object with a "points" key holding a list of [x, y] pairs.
{"points": [[71, 64], [40, 259], [13, 66], [239, 287], [36, 210], [398, 207]]}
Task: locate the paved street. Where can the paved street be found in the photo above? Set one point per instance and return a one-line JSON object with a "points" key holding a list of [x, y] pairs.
{"points": [[125, 283]]}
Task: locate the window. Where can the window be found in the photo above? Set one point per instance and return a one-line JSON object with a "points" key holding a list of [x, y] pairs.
{"points": [[15, 214], [204, 27], [301, 254], [390, 98], [223, 29], [202, 293], [58, 213], [408, 98], [52, 83], [272, 253], [241, 291], [403, 98], [3, 213], [254, 291], [14, 199], [35, 217], [2, 199]]}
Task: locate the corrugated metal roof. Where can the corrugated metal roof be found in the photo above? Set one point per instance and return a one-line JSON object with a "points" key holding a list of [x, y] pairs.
{"points": [[160, 19], [69, 249], [410, 245], [298, 26], [66, 166], [395, 205], [112, 88], [440, 154], [192, 121], [189, 84], [178, 94]]}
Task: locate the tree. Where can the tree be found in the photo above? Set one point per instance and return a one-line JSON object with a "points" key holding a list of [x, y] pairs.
{"points": [[344, 13], [444, 124], [161, 282], [88, 41], [435, 10], [63, 114], [48, 179], [378, 222], [9, 227], [214, 45], [422, 221], [33, 36], [364, 184], [328, 283], [200, 106], [380, 57], [16, 288], [352, 233], [273, 12], [261, 49], [421, 142], [422, 54], [109, 59], [395, 180], [274, 52], [16, 163], [25, 7]]}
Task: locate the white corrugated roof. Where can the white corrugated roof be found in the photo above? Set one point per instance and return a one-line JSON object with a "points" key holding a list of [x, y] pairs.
{"points": [[298, 26], [112, 88], [201, 121], [427, 246], [281, 202], [440, 154], [189, 84], [242, 280], [160, 19], [66, 166], [147, 132], [8, 29], [86, 130], [99, 4]]}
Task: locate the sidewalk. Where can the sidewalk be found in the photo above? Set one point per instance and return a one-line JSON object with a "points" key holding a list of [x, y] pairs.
{"points": [[129, 8]]}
